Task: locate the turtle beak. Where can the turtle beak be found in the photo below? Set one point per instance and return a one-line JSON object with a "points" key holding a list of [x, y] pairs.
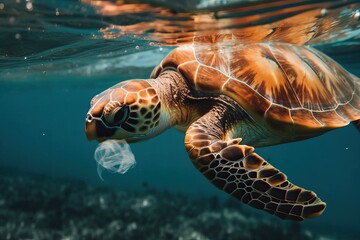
{"points": [[96, 130], [90, 128]]}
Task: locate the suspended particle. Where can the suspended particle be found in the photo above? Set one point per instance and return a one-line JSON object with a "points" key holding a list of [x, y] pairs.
{"points": [[356, 15], [323, 12], [11, 20], [29, 6]]}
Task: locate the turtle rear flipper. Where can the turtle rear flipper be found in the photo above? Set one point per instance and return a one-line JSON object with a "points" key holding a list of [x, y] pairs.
{"points": [[237, 170]]}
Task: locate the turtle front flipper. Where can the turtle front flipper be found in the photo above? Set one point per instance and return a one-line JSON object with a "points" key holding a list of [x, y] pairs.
{"points": [[237, 170]]}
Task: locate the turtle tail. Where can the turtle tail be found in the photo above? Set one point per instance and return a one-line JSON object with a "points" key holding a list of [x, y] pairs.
{"points": [[357, 124]]}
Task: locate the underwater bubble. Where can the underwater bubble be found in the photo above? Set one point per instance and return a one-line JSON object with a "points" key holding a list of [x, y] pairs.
{"points": [[357, 15], [29, 6], [11, 20], [115, 156]]}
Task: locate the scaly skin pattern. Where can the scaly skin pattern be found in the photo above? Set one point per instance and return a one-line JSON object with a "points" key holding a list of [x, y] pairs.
{"points": [[143, 110], [228, 97], [237, 170]]}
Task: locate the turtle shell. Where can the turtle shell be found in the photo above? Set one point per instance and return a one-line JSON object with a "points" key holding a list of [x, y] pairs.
{"points": [[283, 85]]}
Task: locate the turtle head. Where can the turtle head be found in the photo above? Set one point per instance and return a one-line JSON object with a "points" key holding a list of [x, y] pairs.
{"points": [[130, 110]]}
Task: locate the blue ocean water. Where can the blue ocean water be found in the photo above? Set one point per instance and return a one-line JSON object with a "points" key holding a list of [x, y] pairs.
{"points": [[56, 55]]}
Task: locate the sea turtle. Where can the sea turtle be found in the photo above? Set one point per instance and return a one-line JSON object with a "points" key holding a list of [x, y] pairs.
{"points": [[229, 97]]}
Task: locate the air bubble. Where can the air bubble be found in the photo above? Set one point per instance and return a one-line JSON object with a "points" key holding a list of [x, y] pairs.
{"points": [[137, 47], [11, 20], [161, 49], [356, 15], [17, 36], [29, 6]]}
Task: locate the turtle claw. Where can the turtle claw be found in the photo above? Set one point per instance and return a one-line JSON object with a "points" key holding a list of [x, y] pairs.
{"points": [[236, 152], [220, 144], [234, 141]]}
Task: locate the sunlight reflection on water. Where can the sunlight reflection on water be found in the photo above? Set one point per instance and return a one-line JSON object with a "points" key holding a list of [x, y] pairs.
{"points": [[81, 33]]}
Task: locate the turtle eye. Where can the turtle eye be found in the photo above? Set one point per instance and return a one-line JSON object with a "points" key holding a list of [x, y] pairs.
{"points": [[121, 115], [115, 114]]}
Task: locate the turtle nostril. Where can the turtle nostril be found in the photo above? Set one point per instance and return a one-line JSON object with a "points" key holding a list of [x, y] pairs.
{"points": [[89, 118]]}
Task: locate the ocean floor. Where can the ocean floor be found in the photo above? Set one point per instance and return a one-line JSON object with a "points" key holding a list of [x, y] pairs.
{"points": [[39, 207]]}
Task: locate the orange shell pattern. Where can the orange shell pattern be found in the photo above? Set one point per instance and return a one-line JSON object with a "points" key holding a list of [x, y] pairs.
{"points": [[283, 84]]}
